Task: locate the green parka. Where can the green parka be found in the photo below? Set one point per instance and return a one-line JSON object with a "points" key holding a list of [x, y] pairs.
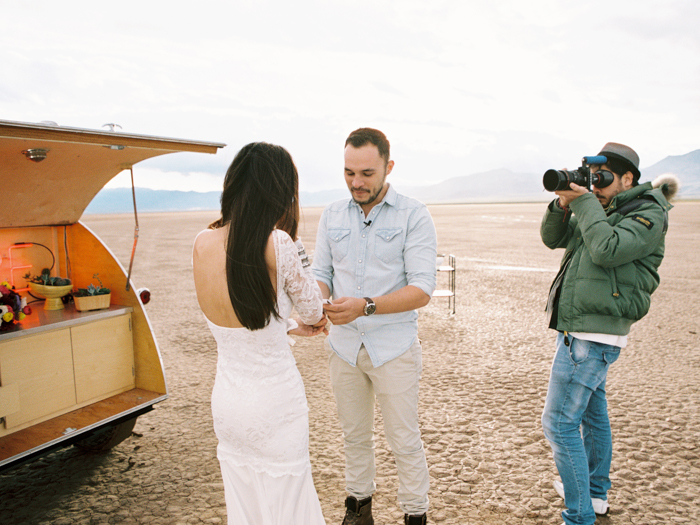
{"points": [[612, 259]]}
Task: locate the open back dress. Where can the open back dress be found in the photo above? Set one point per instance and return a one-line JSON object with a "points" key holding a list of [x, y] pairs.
{"points": [[260, 410]]}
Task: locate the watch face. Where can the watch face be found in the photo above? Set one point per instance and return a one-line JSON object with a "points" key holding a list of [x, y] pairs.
{"points": [[370, 308]]}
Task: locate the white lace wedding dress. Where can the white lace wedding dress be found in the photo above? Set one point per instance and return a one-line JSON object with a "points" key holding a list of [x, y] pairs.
{"points": [[260, 411]]}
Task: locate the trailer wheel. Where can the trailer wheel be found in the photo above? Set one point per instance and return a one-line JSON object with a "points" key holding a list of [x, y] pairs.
{"points": [[108, 437]]}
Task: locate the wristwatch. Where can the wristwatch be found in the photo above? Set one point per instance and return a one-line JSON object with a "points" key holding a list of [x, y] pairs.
{"points": [[370, 307]]}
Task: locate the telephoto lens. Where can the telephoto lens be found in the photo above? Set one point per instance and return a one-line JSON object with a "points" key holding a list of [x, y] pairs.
{"points": [[556, 180]]}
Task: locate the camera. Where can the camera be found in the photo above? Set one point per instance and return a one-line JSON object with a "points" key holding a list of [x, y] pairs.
{"points": [[557, 180]]}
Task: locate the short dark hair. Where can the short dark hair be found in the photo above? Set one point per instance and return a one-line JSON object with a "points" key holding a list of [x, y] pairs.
{"points": [[363, 136], [620, 167]]}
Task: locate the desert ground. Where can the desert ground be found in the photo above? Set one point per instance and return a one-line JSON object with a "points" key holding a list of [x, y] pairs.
{"points": [[482, 392]]}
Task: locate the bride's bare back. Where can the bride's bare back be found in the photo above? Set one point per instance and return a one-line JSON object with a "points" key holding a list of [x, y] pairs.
{"points": [[209, 266]]}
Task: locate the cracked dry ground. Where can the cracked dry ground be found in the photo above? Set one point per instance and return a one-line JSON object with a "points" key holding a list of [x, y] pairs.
{"points": [[483, 387]]}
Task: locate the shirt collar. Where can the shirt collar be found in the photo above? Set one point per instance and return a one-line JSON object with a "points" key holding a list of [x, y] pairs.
{"points": [[391, 196]]}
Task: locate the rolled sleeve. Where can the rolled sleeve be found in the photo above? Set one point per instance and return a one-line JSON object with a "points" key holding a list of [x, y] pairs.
{"points": [[322, 265], [420, 252]]}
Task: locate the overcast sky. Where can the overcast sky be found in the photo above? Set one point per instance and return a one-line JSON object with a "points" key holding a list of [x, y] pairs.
{"points": [[458, 86]]}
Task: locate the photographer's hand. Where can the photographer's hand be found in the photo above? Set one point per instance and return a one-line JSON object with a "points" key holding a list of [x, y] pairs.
{"points": [[566, 197]]}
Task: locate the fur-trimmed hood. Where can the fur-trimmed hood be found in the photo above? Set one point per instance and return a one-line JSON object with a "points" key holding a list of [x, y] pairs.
{"points": [[669, 185]]}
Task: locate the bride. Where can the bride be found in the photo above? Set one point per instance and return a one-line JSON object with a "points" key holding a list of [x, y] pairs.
{"points": [[248, 276]]}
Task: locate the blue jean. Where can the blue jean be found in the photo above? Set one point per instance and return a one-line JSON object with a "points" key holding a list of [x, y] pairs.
{"points": [[576, 423]]}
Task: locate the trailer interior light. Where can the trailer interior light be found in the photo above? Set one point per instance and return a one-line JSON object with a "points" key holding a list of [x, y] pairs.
{"points": [[35, 154]]}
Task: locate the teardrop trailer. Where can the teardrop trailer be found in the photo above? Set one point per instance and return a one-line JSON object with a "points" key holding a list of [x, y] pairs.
{"points": [[68, 376]]}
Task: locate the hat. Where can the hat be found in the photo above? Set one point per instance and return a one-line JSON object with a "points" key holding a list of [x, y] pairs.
{"points": [[624, 153]]}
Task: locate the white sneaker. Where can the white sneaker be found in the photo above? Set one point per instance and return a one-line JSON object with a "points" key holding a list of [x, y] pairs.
{"points": [[600, 506], [559, 487]]}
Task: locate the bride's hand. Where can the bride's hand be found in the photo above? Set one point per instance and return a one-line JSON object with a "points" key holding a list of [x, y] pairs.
{"points": [[322, 325], [306, 330]]}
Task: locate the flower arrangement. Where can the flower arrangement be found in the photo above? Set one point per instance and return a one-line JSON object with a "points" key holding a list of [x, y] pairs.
{"points": [[13, 307], [92, 289]]}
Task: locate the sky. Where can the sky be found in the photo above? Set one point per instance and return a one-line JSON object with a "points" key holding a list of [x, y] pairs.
{"points": [[458, 86]]}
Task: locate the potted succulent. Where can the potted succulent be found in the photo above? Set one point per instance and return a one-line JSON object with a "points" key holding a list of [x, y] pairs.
{"points": [[93, 297], [50, 288]]}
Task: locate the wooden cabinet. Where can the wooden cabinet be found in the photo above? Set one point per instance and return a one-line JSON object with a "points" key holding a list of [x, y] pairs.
{"points": [[103, 358], [47, 372], [41, 367]]}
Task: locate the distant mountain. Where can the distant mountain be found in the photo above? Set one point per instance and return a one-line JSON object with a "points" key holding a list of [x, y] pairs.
{"points": [[311, 199], [506, 186], [120, 200], [499, 185], [685, 167]]}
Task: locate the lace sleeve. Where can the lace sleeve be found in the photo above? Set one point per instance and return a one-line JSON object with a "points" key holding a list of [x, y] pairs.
{"points": [[299, 282]]}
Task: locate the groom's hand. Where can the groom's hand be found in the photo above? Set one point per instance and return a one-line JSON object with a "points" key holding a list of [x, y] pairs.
{"points": [[345, 309]]}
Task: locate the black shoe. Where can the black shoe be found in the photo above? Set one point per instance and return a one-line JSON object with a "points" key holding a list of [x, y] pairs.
{"points": [[415, 520], [358, 512]]}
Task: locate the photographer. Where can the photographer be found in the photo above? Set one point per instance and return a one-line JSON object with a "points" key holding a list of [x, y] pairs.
{"points": [[613, 237]]}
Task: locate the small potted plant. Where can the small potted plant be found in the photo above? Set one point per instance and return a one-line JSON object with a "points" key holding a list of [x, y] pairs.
{"points": [[50, 288], [93, 297]]}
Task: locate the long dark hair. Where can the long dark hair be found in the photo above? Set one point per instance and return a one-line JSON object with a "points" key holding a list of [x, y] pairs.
{"points": [[261, 192]]}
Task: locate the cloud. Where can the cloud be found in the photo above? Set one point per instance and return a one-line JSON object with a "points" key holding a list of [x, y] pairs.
{"points": [[457, 86]]}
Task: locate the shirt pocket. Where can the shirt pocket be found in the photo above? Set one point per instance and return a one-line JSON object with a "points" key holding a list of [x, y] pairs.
{"points": [[339, 241], [388, 244]]}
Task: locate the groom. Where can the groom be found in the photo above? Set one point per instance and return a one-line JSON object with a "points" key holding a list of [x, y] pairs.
{"points": [[375, 254]]}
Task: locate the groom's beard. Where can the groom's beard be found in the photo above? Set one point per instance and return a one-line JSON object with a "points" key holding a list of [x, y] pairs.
{"points": [[367, 196]]}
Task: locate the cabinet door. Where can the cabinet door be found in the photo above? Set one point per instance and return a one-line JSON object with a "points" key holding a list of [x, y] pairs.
{"points": [[42, 368], [103, 357]]}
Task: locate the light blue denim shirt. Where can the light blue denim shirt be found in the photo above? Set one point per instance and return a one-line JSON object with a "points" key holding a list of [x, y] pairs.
{"points": [[355, 259]]}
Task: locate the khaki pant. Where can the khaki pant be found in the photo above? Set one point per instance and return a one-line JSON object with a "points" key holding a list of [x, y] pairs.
{"points": [[395, 385]]}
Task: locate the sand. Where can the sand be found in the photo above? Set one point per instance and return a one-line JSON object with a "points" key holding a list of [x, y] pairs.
{"points": [[482, 392]]}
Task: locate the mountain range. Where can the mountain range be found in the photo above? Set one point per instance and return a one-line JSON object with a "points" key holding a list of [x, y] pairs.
{"points": [[500, 185]]}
